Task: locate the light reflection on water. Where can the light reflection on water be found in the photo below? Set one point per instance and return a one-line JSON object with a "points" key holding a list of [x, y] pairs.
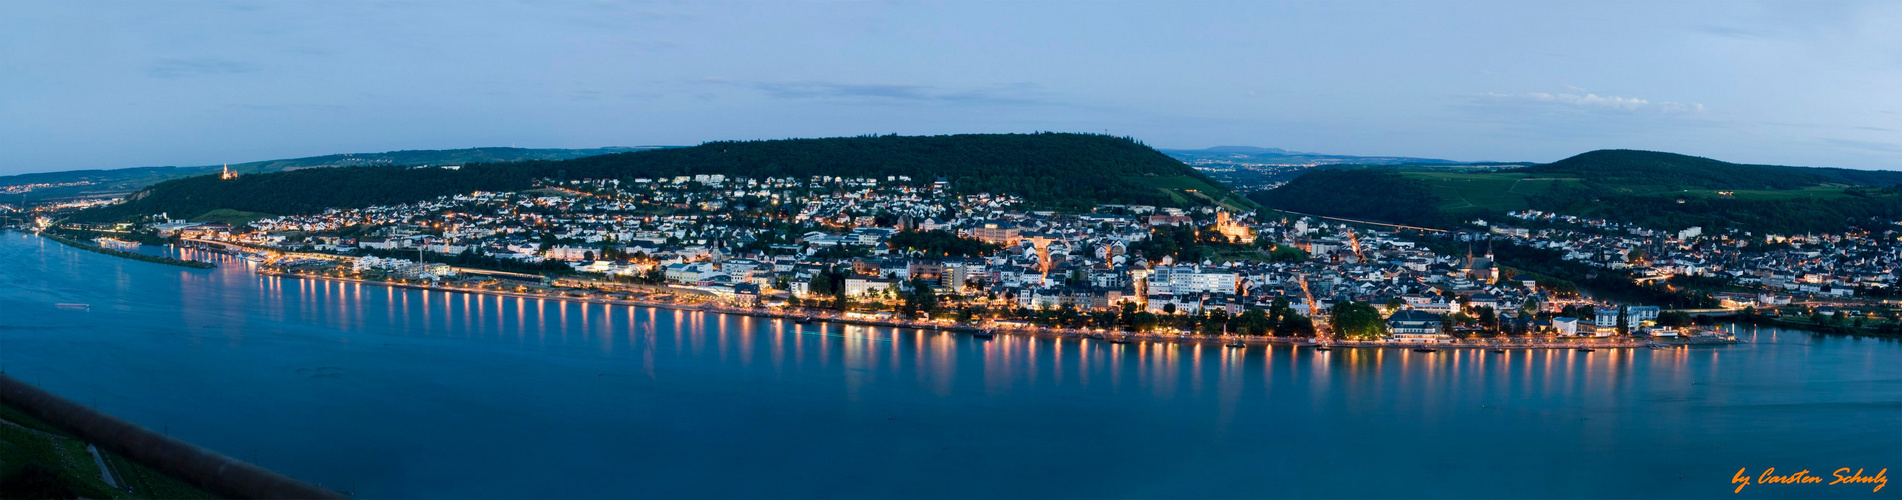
{"points": [[396, 392]]}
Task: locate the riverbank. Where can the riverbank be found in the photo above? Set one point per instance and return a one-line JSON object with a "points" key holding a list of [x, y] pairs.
{"points": [[124, 254], [1521, 343]]}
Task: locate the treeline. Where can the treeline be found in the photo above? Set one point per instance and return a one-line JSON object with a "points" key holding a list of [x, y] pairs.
{"points": [[1634, 167], [1608, 179], [308, 191], [1626, 167], [1052, 170], [1048, 169]]}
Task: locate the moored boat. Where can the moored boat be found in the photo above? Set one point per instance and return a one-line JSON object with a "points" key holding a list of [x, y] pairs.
{"points": [[1237, 345], [1425, 349]]}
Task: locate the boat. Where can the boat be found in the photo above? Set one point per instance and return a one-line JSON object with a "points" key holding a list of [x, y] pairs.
{"points": [[1237, 345], [803, 320], [1119, 340], [1323, 348], [984, 334], [1499, 351], [1425, 349], [74, 307], [1585, 349]]}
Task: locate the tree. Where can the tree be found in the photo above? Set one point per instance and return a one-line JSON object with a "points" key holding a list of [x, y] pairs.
{"points": [[1487, 317], [1254, 322], [1358, 320], [921, 298], [1294, 325]]}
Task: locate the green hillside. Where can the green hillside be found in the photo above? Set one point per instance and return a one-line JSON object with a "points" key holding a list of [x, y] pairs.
{"points": [[425, 157], [1662, 190], [113, 182], [1048, 170]]}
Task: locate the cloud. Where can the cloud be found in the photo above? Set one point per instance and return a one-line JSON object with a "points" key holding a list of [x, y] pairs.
{"points": [[181, 68], [1593, 103], [1866, 145], [1015, 93]]}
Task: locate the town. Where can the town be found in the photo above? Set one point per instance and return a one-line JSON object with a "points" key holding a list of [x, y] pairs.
{"points": [[902, 249]]}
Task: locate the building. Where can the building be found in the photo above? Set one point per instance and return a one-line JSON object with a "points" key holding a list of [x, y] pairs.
{"points": [[997, 232], [1180, 280], [1638, 315], [1414, 326], [1565, 326], [856, 286], [1605, 317]]}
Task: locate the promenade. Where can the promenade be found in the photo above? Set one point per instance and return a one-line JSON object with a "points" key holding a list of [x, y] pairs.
{"points": [[826, 316]]}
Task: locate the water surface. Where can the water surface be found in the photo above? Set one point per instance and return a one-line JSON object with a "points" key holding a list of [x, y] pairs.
{"points": [[389, 393]]}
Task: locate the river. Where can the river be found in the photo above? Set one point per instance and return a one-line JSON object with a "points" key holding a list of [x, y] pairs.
{"points": [[388, 393]]}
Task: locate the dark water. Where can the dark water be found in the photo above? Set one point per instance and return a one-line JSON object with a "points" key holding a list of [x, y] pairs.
{"points": [[399, 393]]}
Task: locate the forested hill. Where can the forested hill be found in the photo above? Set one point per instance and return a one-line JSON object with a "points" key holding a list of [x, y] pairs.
{"points": [[1641, 168], [1054, 170], [1653, 189], [112, 182]]}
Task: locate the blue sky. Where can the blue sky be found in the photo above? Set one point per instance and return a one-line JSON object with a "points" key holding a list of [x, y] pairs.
{"points": [[106, 85]]}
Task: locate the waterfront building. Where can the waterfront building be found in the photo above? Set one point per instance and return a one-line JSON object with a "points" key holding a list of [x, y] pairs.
{"points": [[1415, 326]]}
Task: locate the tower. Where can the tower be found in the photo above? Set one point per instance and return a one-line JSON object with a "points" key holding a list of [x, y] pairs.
{"points": [[228, 174]]}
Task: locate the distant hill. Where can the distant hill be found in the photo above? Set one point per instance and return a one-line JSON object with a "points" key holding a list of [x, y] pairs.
{"points": [[429, 157], [1250, 154], [113, 182], [1654, 189], [1632, 169], [1048, 170]]}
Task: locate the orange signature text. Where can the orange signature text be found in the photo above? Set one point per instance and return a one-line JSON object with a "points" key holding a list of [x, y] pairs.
{"points": [[1842, 476]]}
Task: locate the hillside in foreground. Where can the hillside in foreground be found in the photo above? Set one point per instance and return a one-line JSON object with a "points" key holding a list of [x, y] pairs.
{"points": [[1052, 170], [1653, 189]]}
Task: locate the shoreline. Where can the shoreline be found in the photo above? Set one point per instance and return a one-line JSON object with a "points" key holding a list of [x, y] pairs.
{"points": [[1108, 336], [155, 259]]}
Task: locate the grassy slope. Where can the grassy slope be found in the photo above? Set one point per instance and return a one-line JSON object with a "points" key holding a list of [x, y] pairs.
{"points": [[25, 440], [1183, 188]]}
